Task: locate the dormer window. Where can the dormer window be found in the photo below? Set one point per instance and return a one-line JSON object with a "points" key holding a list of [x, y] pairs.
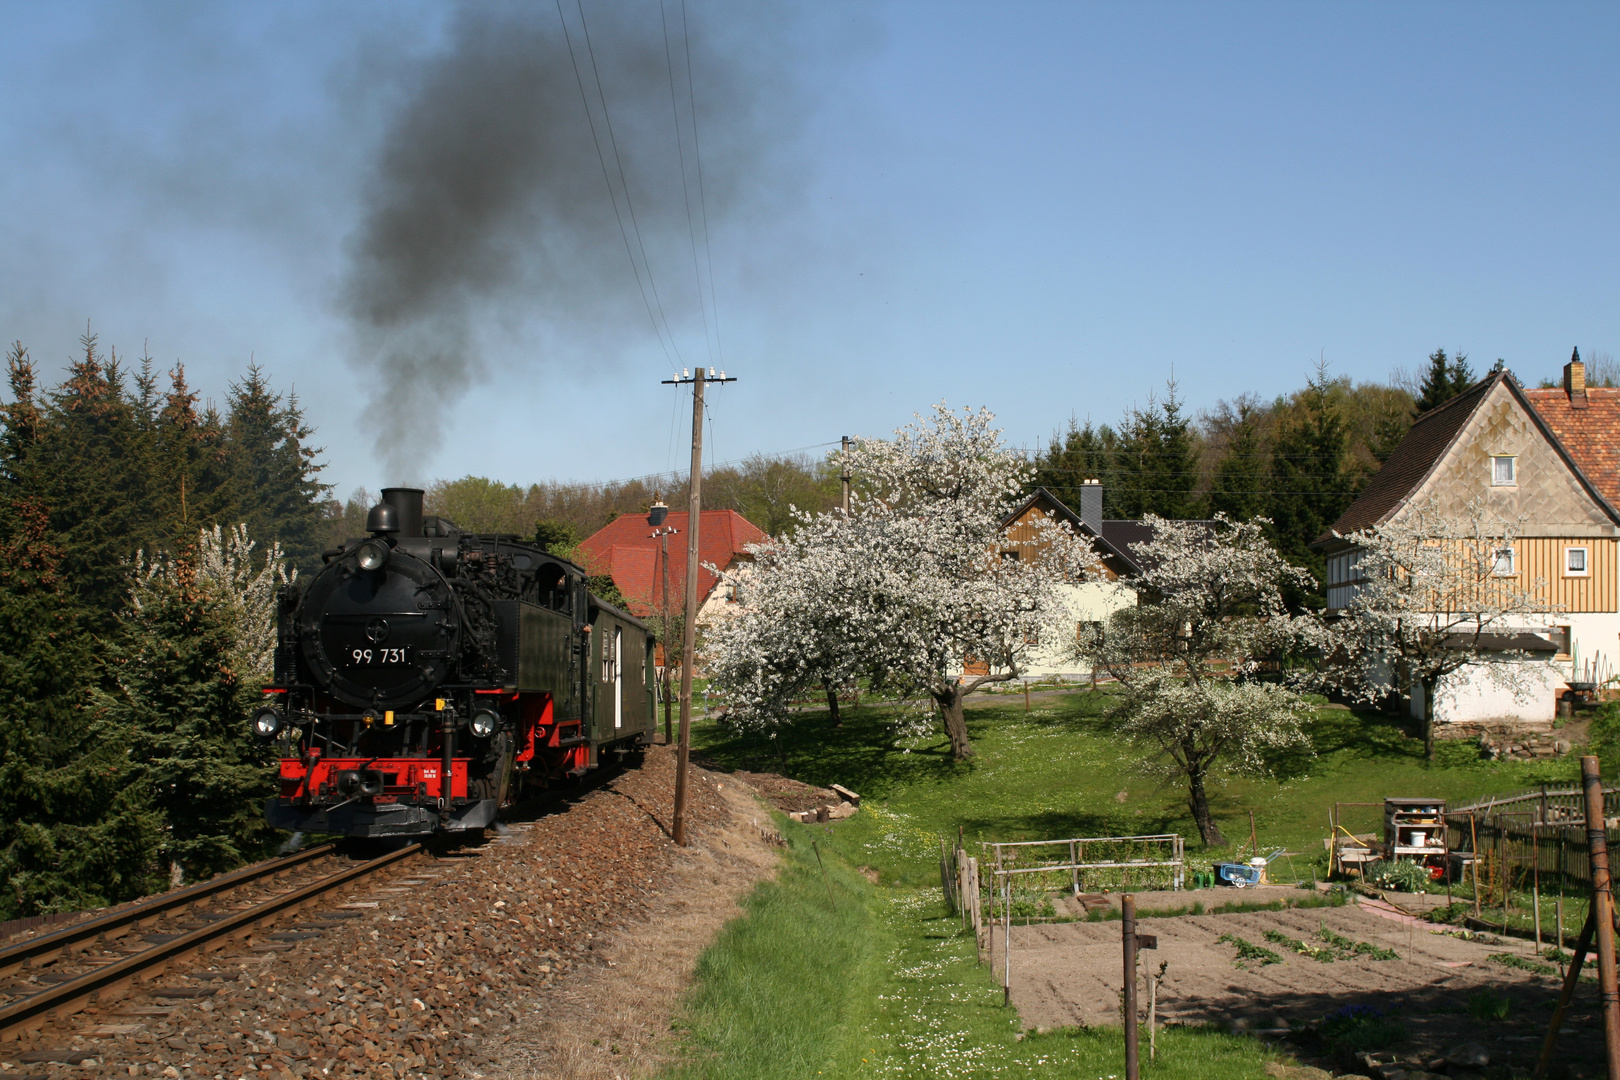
{"points": [[1504, 471]]}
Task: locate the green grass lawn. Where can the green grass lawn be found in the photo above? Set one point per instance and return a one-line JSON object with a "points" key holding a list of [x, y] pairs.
{"points": [[1059, 772], [827, 975]]}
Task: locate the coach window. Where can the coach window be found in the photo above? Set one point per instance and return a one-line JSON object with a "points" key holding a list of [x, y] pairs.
{"points": [[1504, 471], [1575, 562]]}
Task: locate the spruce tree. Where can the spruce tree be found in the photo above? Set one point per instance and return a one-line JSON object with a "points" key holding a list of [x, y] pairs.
{"points": [[191, 472], [274, 472], [76, 827], [1445, 378], [178, 691], [1075, 456], [90, 466], [1311, 486], [1243, 471], [1157, 465]]}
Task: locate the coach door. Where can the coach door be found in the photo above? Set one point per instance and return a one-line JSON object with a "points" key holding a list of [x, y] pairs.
{"points": [[618, 677]]}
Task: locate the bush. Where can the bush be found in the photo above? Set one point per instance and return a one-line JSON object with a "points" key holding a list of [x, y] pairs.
{"points": [[1399, 875], [1451, 914], [1603, 738]]}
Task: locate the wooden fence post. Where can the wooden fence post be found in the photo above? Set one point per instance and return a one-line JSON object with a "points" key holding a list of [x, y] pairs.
{"points": [[1597, 843], [1128, 936]]}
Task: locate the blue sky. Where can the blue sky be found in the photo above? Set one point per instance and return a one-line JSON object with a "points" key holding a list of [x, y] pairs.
{"points": [[1039, 208]]}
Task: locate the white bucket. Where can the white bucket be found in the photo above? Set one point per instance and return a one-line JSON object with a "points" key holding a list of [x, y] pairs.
{"points": [[1419, 839]]}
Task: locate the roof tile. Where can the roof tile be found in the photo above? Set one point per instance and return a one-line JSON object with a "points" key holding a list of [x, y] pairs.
{"points": [[626, 549]]}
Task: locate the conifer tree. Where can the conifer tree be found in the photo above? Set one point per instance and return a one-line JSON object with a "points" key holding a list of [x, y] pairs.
{"points": [[180, 688], [1311, 485], [1157, 467], [1243, 471], [1075, 456], [1445, 378], [90, 467], [191, 477], [76, 828], [274, 472]]}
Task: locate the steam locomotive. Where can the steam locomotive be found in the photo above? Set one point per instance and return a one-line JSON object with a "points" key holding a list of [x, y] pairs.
{"points": [[425, 676]]}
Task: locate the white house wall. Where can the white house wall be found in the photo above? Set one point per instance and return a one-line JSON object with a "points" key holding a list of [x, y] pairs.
{"points": [[1473, 695], [1094, 601]]}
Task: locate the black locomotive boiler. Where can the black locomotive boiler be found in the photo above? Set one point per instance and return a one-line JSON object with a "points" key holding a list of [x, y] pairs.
{"points": [[425, 675]]}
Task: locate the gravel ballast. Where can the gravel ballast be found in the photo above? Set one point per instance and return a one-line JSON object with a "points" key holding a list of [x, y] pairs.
{"points": [[448, 965]]}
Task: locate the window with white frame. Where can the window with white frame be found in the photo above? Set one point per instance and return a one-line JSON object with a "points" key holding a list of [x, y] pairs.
{"points": [[1505, 562], [1504, 470], [1577, 562]]}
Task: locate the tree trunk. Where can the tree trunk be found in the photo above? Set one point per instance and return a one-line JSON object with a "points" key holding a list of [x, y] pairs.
{"points": [[1198, 803], [832, 702], [949, 701], [1429, 687]]}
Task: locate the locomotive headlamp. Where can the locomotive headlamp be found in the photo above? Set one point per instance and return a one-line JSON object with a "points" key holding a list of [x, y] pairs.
{"points": [[268, 722], [373, 555], [483, 723]]}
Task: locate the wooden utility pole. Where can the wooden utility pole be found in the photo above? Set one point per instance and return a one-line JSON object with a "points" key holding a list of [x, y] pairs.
{"points": [[689, 630], [1127, 924], [1597, 842], [844, 466], [655, 518]]}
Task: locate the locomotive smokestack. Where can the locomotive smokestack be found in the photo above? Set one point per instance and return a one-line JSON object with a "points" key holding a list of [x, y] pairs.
{"points": [[407, 503]]}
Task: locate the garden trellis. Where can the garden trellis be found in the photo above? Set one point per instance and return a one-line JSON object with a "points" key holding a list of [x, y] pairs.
{"points": [[1024, 874]]}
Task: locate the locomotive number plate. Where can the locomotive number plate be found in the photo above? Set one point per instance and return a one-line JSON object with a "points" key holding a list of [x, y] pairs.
{"points": [[379, 657]]}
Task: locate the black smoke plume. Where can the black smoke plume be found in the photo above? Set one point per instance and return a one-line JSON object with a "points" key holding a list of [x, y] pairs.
{"points": [[487, 217]]}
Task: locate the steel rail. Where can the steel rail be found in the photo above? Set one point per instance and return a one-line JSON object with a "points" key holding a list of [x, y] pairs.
{"points": [[115, 923], [71, 996]]}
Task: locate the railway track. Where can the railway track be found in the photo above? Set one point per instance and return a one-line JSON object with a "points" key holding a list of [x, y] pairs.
{"points": [[54, 975]]}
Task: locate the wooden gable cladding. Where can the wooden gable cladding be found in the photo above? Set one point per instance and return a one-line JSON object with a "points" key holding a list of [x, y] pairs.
{"points": [[1539, 566], [1023, 535]]}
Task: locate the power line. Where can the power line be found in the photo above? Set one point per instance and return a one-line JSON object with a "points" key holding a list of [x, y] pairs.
{"points": [[607, 116], [686, 193], [703, 201], [712, 465], [590, 119]]}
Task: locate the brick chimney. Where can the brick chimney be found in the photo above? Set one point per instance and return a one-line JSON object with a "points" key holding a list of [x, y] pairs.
{"points": [[1091, 505], [1575, 380]]}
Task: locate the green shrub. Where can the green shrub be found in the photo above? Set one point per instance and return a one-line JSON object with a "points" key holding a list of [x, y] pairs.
{"points": [[1451, 914], [1603, 738]]}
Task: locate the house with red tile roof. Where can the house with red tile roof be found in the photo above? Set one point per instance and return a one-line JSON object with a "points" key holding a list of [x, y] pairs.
{"points": [[1548, 459], [629, 550]]}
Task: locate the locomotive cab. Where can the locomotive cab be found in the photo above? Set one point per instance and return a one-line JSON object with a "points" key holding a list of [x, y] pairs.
{"points": [[425, 675]]}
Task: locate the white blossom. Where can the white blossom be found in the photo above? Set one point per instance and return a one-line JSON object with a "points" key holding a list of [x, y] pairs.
{"points": [[223, 568], [907, 586], [1210, 616], [1435, 595]]}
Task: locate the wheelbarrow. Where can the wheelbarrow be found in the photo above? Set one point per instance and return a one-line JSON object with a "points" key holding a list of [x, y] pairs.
{"points": [[1238, 875]]}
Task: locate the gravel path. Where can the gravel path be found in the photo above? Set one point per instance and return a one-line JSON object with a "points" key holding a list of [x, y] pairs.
{"points": [[450, 965]]}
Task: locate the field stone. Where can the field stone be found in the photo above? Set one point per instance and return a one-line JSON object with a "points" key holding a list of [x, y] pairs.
{"points": [[1469, 1055]]}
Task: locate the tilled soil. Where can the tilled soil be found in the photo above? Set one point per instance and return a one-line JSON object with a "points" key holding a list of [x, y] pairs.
{"points": [[449, 965], [1069, 974]]}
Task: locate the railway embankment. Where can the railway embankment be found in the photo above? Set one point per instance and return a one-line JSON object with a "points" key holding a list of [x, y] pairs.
{"points": [[584, 921]]}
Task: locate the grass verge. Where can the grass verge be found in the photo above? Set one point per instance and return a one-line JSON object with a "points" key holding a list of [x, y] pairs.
{"points": [[878, 982], [785, 990]]}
